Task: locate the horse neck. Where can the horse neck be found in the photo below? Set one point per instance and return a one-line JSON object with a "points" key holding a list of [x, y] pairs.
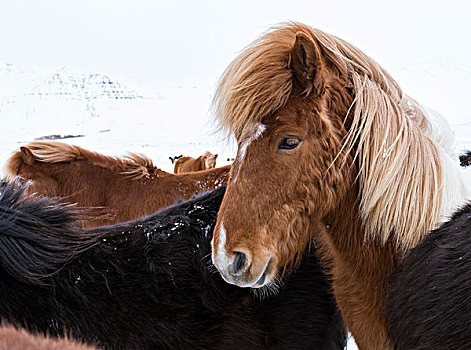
{"points": [[160, 172], [45, 178], [360, 272], [71, 177]]}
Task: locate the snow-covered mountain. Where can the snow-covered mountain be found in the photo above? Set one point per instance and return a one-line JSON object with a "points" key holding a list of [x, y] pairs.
{"points": [[70, 84], [30, 86]]}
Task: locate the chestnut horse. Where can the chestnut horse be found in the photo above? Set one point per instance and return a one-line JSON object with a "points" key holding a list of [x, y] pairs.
{"points": [[328, 148], [148, 284], [188, 164], [124, 189], [429, 305]]}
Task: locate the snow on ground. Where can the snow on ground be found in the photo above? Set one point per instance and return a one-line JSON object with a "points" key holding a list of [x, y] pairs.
{"points": [[116, 116]]}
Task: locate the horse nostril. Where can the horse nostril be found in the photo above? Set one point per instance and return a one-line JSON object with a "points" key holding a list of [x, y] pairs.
{"points": [[238, 264]]}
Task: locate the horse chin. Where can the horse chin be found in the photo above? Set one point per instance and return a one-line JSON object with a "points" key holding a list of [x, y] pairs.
{"points": [[267, 275], [266, 290]]}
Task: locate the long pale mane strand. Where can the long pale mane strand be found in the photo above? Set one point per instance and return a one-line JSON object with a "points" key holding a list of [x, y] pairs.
{"points": [[400, 172]]}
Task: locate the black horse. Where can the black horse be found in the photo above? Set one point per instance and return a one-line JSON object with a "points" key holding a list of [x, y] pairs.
{"points": [[429, 302], [148, 284]]}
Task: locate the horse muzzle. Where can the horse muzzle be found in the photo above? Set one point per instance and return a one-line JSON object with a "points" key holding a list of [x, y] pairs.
{"points": [[239, 269]]}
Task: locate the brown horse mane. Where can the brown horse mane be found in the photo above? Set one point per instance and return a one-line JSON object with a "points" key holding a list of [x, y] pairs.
{"points": [[133, 165], [386, 136]]}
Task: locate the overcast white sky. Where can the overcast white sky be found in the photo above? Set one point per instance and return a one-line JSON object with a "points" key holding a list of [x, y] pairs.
{"points": [[152, 41]]}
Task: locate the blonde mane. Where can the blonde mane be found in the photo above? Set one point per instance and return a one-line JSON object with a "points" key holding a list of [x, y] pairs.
{"points": [[54, 152], [400, 173], [133, 165]]}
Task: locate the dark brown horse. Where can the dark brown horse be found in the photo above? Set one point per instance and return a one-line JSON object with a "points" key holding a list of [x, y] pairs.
{"points": [[328, 148], [121, 189], [429, 305]]}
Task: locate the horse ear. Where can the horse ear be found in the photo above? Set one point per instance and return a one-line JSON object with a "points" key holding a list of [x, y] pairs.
{"points": [[215, 156], [307, 64], [27, 156]]}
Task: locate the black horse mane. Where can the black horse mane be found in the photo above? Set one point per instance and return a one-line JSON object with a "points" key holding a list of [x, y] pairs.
{"points": [[35, 257], [429, 301], [146, 284]]}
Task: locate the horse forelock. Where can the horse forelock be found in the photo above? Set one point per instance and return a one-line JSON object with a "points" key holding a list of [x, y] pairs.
{"points": [[255, 84], [400, 171], [259, 81]]}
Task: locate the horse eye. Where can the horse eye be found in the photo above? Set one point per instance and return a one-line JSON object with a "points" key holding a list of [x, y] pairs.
{"points": [[289, 142]]}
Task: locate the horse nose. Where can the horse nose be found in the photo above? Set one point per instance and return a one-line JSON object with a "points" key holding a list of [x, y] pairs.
{"points": [[239, 264]]}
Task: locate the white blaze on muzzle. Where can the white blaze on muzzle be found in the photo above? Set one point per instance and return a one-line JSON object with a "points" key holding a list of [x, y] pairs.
{"points": [[221, 259]]}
